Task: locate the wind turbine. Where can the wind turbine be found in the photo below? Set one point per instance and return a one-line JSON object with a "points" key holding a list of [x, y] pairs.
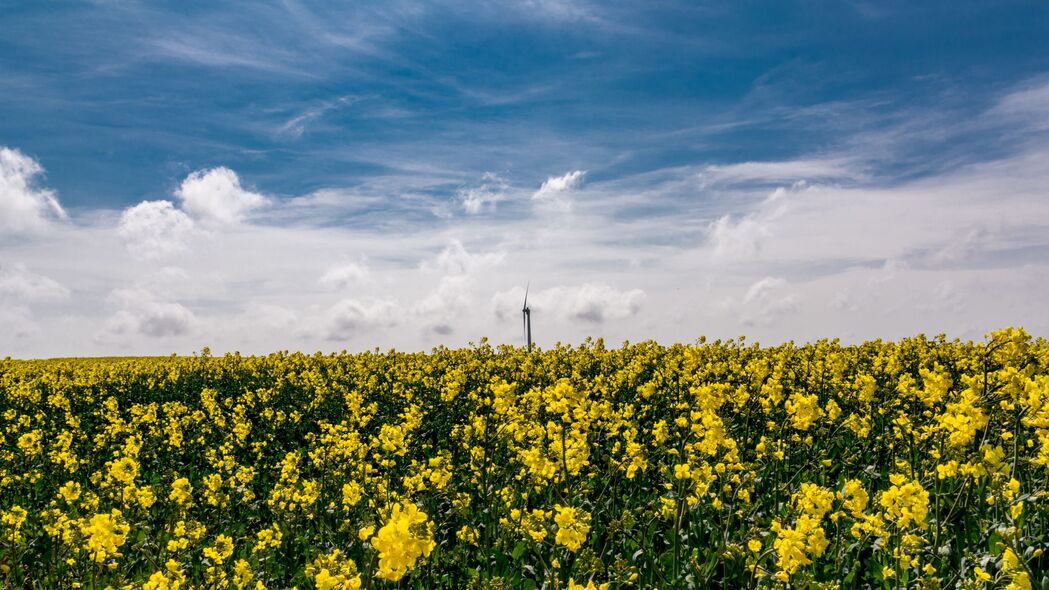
{"points": [[526, 317]]}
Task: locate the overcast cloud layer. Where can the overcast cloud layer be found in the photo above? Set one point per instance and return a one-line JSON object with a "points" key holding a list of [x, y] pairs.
{"points": [[394, 175]]}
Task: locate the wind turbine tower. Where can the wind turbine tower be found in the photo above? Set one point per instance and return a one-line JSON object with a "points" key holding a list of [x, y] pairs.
{"points": [[526, 317]]}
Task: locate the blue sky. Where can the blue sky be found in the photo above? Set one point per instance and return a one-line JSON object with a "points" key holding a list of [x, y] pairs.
{"points": [[389, 174]]}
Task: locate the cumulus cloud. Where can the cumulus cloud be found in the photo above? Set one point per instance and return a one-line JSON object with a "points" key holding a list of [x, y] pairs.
{"points": [[352, 317], [455, 259], [492, 189], [154, 229], [740, 238], [144, 312], [452, 298], [946, 295], [18, 283], [345, 274], [19, 290], [24, 206], [845, 300], [743, 237], [554, 192], [16, 321], [215, 196], [766, 301], [966, 243], [593, 303]]}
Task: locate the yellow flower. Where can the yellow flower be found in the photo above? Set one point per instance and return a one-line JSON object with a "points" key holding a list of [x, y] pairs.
{"points": [[589, 585], [573, 525], [406, 537], [803, 410], [906, 502], [70, 491], [221, 551], [104, 535], [468, 534], [159, 581], [181, 492], [145, 496], [855, 498], [1016, 510], [242, 574], [334, 572], [268, 537]]}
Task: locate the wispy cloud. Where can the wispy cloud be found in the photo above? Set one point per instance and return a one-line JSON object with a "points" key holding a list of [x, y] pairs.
{"points": [[485, 196], [326, 185], [297, 125]]}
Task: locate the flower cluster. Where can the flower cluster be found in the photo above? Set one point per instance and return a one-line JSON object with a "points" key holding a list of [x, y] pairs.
{"points": [[919, 463], [406, 537]]}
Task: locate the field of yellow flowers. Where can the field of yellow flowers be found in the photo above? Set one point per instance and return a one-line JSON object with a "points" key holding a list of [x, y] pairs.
{"points": [[920, 463]]}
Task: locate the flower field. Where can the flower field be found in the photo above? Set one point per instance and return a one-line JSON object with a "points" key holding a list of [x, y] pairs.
{"points": [[920, 463]]}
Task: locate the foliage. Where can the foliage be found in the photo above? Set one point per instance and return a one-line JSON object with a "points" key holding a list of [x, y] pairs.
{"points": [[922, 463]]}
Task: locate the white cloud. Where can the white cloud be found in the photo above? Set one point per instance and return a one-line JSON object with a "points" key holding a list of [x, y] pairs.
{"points": [[1029, 104], [845, 300], [455, 259], [766, 301], [154, 229], [744, 237], [144, 312], [492, 189], [779, 172], [349, 318], [555, 185], [946, 295], [24, 206], [553, 195], [592, 303], [345, 274], [737, 239], [967, 242], [296, 126], [20, 284], [905, 254], [267, 316], [452, 298], [215, 196], [16, 321]]}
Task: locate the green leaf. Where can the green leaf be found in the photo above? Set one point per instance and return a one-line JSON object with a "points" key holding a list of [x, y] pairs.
{"points": [[994, 544]]}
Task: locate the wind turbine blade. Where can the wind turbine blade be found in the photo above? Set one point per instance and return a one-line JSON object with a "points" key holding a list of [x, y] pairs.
{"points": [[527, 285]]}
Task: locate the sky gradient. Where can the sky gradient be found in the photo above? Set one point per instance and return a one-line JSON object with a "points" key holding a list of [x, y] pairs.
{"points": [[268, 176]]}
